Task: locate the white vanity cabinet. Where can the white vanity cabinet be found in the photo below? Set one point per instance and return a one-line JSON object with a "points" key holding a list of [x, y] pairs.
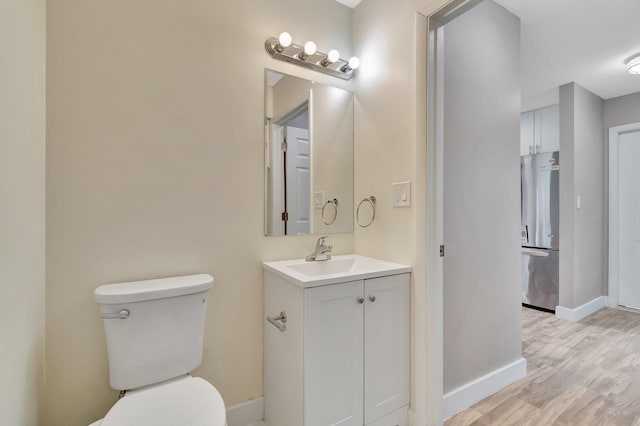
{"points": [[540, 130], [344, 358]]}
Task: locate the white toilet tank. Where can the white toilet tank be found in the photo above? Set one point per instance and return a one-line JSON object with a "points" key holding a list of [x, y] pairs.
{"points": [[154, 328]]}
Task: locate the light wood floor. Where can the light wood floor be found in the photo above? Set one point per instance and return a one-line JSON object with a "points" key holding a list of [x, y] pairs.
{"points": [[585, 373]]}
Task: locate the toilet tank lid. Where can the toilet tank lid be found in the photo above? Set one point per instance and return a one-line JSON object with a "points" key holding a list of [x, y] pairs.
{"points": [[161, 288]]}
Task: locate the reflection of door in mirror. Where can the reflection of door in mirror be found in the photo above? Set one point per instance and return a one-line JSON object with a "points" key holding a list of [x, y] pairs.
{"points": [[296, 180], [290, 174], [293, 147]]}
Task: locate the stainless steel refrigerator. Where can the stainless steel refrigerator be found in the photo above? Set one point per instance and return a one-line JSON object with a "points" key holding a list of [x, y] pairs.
{"points": [[540, 233]]}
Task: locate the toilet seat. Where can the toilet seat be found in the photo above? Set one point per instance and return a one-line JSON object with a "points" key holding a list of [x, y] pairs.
{"points": [[187, 401]]}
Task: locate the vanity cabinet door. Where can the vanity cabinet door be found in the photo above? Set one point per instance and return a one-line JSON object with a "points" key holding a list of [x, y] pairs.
{"points": [[333, 355], [387, 345]]}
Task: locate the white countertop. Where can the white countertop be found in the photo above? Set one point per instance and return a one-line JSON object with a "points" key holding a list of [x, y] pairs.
{"points": [[341, 268]]}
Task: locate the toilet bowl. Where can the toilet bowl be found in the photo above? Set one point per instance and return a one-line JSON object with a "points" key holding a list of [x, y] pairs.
{"points": [[184, 401], [154, 332]]}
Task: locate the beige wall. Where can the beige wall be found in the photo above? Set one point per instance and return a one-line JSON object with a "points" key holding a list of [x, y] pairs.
{"points": [[332, 156], [582, 174], [384, 138], [289, 93], [22, 211], [155, 168], [390, 146]]}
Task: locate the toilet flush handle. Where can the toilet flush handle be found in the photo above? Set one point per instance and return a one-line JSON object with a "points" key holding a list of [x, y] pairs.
{"points": [[122, 314]]}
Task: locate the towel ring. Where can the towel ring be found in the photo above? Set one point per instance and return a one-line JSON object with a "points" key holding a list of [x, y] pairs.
{"points": [[372, 201], [333, 203]]}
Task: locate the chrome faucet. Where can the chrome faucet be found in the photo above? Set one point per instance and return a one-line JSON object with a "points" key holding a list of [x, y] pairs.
{"points": [[322, 251]]}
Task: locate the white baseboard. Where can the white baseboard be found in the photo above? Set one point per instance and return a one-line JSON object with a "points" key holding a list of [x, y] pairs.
{"points": [[583, 311], [475, 391], [246, 413]]}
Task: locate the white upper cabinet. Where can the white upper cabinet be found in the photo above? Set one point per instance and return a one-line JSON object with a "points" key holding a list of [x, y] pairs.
{"points": [[527, 131], [540, 130], [547, 137]]}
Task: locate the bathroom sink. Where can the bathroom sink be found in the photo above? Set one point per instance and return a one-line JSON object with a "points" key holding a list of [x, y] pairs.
{"points": [[326, 267], [349, 267]]}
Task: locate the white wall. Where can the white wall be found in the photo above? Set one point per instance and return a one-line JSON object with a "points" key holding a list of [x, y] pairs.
{"points": [[582, 245], [22, 211], [155, 168], [482, 314]]}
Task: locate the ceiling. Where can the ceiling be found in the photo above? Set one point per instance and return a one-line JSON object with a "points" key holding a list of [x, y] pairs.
{"points": [[586, 41]]}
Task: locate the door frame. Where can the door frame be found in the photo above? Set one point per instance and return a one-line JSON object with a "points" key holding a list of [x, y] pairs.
{"points": [[428, 269], [614, 139], [279, 164]]}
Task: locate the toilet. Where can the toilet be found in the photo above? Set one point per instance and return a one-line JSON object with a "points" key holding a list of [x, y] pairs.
{"points": [[154, 331]]}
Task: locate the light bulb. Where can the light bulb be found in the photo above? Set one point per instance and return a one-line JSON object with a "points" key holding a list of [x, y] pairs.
{"points": [[354, 62], [284, 40], [309, 48], [333, 56]]}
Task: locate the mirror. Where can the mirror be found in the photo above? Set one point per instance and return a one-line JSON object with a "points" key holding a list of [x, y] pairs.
{"points": [[308, 157]]}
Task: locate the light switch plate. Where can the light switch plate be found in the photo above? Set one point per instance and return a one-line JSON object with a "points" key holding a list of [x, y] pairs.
{"points": [[401, 194], [318, 199]]}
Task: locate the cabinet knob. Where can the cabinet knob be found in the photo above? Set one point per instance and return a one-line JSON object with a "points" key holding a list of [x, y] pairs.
{"points": [[361, 300], [372, 298]]}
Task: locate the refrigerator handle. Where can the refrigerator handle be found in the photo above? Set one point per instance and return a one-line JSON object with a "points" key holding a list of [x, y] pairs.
{"points": [[533, 252]]}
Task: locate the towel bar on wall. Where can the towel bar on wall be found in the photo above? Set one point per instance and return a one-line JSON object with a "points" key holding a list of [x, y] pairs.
{"points": [[279, 325]]}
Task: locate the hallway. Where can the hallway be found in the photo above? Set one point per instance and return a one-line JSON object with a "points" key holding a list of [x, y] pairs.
{"points": [[585, 373]]}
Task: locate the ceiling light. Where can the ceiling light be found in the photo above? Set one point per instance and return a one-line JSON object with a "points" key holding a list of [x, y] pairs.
{"points": [[633, 64]]}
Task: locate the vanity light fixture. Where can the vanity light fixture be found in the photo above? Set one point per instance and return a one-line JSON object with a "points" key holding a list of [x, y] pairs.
{"points": [[308, 56], [633, 64]]}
